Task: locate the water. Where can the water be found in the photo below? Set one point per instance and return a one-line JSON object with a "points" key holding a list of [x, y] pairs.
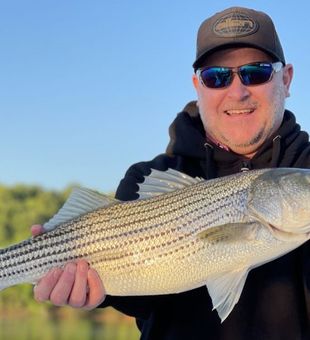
{"points": [[115, 327]]}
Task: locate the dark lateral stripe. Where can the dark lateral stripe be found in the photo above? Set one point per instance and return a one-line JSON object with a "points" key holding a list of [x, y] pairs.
{"points": [[70, 227], [20, 251], [55, 254], [11, 256]]}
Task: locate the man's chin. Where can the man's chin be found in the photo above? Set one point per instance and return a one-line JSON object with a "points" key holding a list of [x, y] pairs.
{"points": [[245, 148]]}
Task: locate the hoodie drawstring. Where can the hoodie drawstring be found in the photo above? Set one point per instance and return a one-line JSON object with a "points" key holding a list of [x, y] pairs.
{"points": [[209, 166], [208, 163], [276, 150]]}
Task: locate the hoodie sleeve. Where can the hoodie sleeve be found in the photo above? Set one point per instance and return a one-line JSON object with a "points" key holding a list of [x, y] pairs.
{"points": [[128, 187]]}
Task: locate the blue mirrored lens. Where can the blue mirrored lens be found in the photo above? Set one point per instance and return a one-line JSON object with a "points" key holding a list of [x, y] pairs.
{"points": [[216, 77], [255, 74]]}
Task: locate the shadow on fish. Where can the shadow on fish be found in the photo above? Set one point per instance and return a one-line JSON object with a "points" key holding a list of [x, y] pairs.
{"points": [[182, 233]]}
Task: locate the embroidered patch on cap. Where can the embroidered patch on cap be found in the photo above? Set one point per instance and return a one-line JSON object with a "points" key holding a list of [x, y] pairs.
{"points": [[235, 25]]}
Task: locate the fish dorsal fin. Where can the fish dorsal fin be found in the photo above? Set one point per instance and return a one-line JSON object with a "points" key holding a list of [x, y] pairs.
{"points": [[80, 202], [160, 182], [225, 290]]}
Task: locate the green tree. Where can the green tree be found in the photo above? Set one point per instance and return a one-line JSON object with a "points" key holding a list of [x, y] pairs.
{"points": [[20, 207]]}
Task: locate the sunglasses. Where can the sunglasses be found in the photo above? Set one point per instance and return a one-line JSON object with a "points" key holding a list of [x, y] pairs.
{"points": [[216, 77]]}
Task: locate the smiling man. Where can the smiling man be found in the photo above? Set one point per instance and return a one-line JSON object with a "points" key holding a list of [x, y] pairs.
{"points": [[235, 113], [238, 123]]}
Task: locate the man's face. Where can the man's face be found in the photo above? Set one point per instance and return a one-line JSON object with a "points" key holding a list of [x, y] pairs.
{"points": [[238, 116]]}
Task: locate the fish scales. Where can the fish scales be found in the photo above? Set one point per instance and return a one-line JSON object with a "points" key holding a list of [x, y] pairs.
{"points": [[70, 232], [121, 226], [173, 242]]}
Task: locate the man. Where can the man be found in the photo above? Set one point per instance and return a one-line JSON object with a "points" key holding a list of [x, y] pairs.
{"points": [[239, 123]]}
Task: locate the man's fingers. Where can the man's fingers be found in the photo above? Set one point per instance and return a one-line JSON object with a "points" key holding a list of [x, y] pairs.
{"points": [[60, 294], [96, 293], [76, 285], [37, 229], [79, 291], [43, 289]]}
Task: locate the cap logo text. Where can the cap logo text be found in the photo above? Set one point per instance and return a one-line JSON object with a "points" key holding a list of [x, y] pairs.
{"points": [[235, 25]]}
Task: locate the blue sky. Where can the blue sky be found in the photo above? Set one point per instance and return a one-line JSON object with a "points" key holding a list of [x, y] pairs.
{"points": [[89, 87]]}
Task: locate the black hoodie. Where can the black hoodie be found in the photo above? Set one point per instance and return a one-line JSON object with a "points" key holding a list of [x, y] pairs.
{"points": [[275, 302]]}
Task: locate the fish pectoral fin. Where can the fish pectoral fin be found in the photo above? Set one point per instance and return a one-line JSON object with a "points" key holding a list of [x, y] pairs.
{"points": [[80, 201], [225, 290], [160, 182], [230, 232]]}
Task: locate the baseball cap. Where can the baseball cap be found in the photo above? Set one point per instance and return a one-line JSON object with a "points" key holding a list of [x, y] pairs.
{"points": [[238, 26]]}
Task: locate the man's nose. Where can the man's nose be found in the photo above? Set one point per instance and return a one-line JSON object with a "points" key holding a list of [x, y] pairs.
{"points": [[237, 90]]}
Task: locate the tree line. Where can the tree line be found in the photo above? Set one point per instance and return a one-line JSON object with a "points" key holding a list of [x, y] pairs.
{"points": [[20, 207]]}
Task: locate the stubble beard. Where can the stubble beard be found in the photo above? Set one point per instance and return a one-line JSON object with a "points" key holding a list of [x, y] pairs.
{"points": [[276, 110]]}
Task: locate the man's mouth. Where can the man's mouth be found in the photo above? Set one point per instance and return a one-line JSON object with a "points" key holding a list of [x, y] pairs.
{"points": [[238, 112]]}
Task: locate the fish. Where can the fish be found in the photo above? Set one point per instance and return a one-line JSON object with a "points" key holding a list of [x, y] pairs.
{"points": [[180, 234]]}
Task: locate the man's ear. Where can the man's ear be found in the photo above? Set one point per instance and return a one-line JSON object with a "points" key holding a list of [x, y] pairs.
{"points": [[196, 81], [287, 78]]}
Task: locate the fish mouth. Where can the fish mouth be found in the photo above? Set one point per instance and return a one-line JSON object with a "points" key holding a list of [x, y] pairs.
{"points": [[239, 112]]}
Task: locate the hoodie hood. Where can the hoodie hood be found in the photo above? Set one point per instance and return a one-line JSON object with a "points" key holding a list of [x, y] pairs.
{"points": [[187, 134]]}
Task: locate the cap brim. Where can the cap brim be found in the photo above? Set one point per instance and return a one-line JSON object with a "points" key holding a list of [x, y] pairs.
{"points": [[198, 62]]}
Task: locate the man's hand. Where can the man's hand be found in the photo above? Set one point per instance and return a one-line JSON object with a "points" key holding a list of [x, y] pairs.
{"points": [[75, 285]]}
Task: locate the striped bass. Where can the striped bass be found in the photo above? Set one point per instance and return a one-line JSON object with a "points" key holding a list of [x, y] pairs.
{"points": [[182, 233]]}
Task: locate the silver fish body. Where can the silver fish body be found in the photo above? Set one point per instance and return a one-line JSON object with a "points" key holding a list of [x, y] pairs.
{"points": [[204, 233]]}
